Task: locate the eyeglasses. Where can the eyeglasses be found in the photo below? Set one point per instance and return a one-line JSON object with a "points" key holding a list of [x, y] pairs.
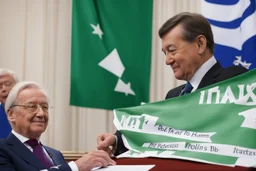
{"points": [[33, 108], [7, 84]]}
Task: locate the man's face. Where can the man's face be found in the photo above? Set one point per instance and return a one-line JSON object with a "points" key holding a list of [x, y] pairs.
{"points": [[182, 56], [27, 123], [6, 84]]}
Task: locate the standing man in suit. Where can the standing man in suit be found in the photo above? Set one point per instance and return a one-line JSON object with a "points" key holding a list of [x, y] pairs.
{"points": [[187, 42], [8, 79], [27, 107]]}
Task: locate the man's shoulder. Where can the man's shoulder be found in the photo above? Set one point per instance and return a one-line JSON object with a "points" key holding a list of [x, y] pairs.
{"points": [[3, 145], [2, 141], [236, 69], [232, 71]]}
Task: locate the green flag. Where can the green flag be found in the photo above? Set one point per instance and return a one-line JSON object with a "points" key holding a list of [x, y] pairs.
{"points": [[216, 124], [111, 53]]}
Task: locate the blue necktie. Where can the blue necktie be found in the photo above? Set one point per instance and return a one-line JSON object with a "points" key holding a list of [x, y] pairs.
{"points": [[39, 152], [188, 88]]}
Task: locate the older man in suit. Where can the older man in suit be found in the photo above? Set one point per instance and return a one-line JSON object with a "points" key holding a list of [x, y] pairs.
{"points": [[187, 42], [8, 79], [27, 108]]}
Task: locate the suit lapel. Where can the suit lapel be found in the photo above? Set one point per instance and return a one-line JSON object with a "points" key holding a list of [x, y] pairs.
{"points": [[178, 93], [54, 156], [210, 77], [23, 152]]}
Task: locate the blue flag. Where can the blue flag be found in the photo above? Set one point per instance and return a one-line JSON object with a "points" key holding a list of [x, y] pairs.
{"points": [[234, 27], [5, 127]]}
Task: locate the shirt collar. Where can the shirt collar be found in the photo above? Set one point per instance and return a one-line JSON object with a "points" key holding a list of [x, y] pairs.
{"points": [[21, 137], [198, 76]]}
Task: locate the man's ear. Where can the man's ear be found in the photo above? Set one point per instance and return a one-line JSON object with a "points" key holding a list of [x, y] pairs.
{"points": [[10, 115], [201, 43]]}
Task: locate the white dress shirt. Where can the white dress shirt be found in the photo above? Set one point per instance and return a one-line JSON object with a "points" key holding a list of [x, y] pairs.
{"points": [[198, 76]]}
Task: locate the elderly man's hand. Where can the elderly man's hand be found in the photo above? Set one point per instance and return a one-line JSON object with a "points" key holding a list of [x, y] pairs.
{"points": [[94, 159], [105, 142]]}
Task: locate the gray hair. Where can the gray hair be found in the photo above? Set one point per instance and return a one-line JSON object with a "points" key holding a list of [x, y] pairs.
{"points": [[4, 71], [11, 99]]}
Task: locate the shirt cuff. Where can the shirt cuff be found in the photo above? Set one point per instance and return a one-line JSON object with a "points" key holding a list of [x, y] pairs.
{"points": [[73, 166]]}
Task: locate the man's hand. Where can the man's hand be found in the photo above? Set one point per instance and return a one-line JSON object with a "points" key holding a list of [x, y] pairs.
{"points": [[94, 159], [105, 141]]}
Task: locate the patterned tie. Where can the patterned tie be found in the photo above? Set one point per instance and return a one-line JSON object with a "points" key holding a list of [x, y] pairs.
{"points": [[39, 152], [188, 88]]}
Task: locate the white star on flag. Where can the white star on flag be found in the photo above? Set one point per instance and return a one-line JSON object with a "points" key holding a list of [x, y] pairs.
{"points": [[97, 30]]}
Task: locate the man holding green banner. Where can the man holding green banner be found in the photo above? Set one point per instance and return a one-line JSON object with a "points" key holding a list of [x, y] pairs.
{"points": [[213, 125], [188, 44]]}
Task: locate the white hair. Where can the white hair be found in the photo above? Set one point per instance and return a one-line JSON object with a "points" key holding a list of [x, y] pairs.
{"points": [[12, 97], [4, 71]]}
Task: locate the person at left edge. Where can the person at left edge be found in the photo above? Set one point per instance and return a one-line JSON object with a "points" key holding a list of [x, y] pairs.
{"points": [[8, 79], [27, 108]]}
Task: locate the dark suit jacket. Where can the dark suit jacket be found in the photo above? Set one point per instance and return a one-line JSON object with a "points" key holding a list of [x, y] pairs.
{"points": [[214, 75], [5, 127], [15, 156]]}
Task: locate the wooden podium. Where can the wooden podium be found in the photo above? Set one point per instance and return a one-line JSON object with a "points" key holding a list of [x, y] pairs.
{"points": [[177, 165]]}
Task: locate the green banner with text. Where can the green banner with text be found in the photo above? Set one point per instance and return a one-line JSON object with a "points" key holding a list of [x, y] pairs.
{"points": [[215, 125]]}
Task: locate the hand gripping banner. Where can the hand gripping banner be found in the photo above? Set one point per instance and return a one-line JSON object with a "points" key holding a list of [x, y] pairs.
{"points": [[216, 124]]}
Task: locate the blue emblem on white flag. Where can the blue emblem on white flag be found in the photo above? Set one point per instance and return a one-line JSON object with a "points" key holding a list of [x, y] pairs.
{"points": [[233, 24]]}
